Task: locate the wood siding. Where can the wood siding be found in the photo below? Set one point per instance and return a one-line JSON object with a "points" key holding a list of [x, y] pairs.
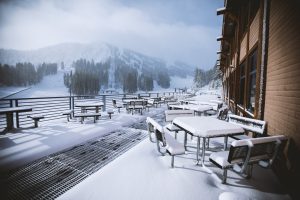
{"points": [[282, 100], [254, 30], [243, 49]]}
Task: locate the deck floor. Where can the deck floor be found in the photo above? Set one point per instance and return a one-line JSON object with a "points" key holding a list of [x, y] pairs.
{"points": [[113, 159]]}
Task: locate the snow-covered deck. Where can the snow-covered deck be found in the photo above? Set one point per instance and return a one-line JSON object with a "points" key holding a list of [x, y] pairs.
{"points": [[140, 173]]}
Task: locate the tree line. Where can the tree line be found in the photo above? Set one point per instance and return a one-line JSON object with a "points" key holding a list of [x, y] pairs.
{"points": [[25, 74], [202, 77], [89, 77]]}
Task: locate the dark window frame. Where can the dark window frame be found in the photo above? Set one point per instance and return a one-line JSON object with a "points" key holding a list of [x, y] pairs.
{"points": [[251, 85], [242, 81]]}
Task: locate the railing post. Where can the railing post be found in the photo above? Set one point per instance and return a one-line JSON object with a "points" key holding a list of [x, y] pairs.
{"points": [[104, 102], [10, 103], [17, 114], [72, 105]]}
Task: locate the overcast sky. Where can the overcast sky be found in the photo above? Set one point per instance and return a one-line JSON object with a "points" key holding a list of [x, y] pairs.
{"points": [[183, 30]]}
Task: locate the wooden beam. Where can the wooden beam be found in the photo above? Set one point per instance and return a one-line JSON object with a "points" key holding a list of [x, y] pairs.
{"points": [[221, 11]]}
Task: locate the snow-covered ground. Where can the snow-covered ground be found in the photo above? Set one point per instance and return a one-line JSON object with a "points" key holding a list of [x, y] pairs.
{"points": [[141, 172], [52, 85], [7, 91]]}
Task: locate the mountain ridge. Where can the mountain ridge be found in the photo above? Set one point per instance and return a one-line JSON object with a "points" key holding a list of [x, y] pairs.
{"points": [[98, 52]]}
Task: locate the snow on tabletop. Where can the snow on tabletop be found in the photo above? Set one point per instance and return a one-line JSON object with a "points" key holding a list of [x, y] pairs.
{"points": [[207, 126]]}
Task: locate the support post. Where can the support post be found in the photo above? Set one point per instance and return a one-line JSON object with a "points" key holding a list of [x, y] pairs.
{"points": [[104, 102]]}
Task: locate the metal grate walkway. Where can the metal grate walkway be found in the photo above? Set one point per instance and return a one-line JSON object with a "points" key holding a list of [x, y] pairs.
{"points": [[51, 176]]}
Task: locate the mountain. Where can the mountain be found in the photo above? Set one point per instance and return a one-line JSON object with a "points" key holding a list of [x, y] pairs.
{"points": [[181, 69], [99, 52], [116, 59]]}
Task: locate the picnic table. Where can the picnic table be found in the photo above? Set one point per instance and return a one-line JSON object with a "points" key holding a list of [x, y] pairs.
{"points": [[133, 100], [206, 127], [196, 108], [9, 115], [135, 104], [85, 105]]}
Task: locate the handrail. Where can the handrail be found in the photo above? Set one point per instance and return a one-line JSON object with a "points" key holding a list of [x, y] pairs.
{"points": [[52, 106]]}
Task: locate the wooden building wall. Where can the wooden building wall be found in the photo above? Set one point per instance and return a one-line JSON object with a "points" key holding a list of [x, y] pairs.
{"points": [[253, 32], [282, 97], [282, 100], [243, 50]]}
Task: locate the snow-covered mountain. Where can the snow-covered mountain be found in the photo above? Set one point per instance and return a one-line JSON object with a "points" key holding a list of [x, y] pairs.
{"points": [[99, 52]]}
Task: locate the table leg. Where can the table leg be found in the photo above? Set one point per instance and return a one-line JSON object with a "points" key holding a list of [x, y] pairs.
{"points": [[185, 139], [9, 121], [198, 149], [203, 151], [97, 111], [225, 142]]}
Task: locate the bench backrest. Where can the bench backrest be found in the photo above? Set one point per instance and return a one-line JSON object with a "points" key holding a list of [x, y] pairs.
{"points": [[138, 103], [172, 114], [256, 149], [253, 125], [125, 98], [155, 127], [150, 101], [222, 113]]}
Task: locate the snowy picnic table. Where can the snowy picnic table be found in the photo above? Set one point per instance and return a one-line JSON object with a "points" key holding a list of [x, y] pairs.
{"points": [[133, 100], [85, 105], [9, 115], [196, 108], [206, 127]]}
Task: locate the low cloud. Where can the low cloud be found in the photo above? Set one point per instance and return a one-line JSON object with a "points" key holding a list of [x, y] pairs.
{"points": [[36, 24]]}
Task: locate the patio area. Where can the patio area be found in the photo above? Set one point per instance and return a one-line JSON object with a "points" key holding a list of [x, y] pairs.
{"points": [[131, 169]]}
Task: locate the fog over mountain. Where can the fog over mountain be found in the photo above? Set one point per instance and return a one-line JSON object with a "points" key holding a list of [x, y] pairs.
{"points": [[100, 52]]}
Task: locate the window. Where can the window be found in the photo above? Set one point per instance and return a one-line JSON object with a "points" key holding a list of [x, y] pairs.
{"points": [[242, 83], [252, 82], [232, 84]]}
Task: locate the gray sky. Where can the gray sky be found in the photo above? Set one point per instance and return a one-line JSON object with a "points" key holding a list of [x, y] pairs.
{"points": [[184, 30]]}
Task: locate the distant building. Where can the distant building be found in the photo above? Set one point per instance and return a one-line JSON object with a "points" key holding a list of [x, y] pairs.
{"points": [[260, 61]]}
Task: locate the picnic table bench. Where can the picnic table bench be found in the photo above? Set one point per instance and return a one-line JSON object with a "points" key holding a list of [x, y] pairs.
{"points": [[36, 118], [164, 139], [68, 113], [244, 153], [250, 125], [170, 115], [84, 115]]}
